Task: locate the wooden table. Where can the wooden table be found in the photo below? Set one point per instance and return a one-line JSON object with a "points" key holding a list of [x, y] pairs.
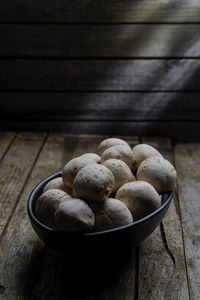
{"points": [[165, 266]]}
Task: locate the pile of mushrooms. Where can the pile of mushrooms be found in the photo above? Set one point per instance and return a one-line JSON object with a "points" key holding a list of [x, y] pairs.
{"points": [[115, 187]]}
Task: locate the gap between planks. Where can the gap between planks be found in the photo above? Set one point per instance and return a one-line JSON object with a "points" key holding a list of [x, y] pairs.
{"points": [[6, 140]]}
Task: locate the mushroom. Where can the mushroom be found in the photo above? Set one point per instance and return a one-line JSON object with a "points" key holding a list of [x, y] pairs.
{"points": [[72, 168], [121, 152], [91, 157], [47, 204], [105, 144], [93, 183], [143, 151], [140, 197], [112, 214], [74, 215], [121, 172], [159, 172], [57, 183]]}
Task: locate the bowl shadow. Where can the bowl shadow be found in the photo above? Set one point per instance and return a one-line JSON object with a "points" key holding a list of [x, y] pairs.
{"points": [[80, 275]]}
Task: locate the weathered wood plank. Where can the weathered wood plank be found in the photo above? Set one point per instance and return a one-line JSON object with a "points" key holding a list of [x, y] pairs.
{"points": [[100, 75], [101, 11], [21, 254], [162, 266], [100, 106], [188, 167], [146, 40], [5, 140], [179, 131], [14, 169]]}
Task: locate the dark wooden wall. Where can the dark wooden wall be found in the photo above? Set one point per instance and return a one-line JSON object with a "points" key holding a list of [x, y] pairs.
{"points": [[109, 67]]}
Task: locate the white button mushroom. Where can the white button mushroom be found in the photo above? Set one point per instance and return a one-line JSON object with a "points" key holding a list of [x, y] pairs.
{"points": [[121, 152], [159, 172], [140, 197], [112, 214], [143, 151], [72, 168], [93, 183], [57, 183], [47, 204], [91, 157], [105, 144], [121, 172], [74, 215]]}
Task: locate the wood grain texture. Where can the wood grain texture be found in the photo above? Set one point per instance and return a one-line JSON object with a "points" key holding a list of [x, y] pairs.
{"points": [[100, 11], [6, 139], [178, 131], [14, 169], [188, 167], [100, 75], [154, 267], [146, 40], [100, 106], [21, 251], [162, 262]]}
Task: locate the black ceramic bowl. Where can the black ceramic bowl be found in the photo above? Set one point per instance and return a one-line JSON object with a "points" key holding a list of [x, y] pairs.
{"points": [[121, 237]]}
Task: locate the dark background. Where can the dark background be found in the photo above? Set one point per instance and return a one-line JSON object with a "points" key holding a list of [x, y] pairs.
{"points": [[104, 67]]}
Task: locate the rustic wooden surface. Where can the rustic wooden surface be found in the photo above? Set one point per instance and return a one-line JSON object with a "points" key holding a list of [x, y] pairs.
{"points": [[132, 62], [100, 11], [100, 75], [188, 167], [136, 40], [95, 106], [165, 266]]}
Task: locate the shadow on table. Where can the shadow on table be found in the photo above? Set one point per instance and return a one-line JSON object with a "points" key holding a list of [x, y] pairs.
{"points": [[80, 275]]}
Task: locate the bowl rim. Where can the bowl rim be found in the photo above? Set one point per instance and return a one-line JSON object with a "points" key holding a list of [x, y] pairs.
{"points": [[41, 184]]}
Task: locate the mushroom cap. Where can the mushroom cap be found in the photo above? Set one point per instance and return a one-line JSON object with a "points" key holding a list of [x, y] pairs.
{"points": [[143, 151], [72, 168], [74, 215], [47, 204], [159, 172], [91, 157], [107, 143], [121, 172], [57, 183], [121, 152], [93, 183], [140, 197], [112, 214]]}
